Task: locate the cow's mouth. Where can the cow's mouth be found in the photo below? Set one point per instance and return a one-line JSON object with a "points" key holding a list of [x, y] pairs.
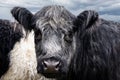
{"points": [[52, 75]]}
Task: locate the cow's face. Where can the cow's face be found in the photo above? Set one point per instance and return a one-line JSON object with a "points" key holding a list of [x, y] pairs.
{"points": [[54, 38], [55, 45]]}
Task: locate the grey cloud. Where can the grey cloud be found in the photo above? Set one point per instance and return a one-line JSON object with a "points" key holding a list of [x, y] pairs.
{"points": [[106, 8]]}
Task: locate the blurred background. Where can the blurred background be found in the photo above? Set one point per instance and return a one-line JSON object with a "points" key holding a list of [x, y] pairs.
{"points": [[107, 9]]}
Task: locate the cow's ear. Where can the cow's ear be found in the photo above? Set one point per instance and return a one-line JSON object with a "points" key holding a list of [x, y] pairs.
{"points": [[86, 19], [23, 16]]}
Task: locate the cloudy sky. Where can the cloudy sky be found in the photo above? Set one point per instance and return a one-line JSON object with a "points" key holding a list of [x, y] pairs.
{"points": [[108, 9]]}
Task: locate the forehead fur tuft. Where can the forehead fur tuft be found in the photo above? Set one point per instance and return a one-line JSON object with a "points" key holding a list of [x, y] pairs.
{"points": [[55, 17]]}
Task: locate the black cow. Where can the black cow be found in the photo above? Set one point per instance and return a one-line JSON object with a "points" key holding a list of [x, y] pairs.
{"points": [[73, 48], [97, 55]]}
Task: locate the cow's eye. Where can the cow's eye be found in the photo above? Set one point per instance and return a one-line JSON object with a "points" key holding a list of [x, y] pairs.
{"points": [[68, 38], [38, 35]]}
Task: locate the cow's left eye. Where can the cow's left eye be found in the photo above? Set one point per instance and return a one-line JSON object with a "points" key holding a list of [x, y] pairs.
{"points": [[68, 38]]}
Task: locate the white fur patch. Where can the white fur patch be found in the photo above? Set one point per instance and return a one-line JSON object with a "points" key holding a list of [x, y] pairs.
{"points": [[23, 61]]}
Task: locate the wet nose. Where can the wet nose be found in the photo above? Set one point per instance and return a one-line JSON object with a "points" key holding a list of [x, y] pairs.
{"points": [[51, 65]]}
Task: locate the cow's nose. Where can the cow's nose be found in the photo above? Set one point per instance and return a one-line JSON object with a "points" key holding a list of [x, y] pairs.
{"points": [[51, 66]]}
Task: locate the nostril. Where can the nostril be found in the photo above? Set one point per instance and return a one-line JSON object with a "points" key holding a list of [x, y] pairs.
{"points": [[44, 65], [57, 64]]}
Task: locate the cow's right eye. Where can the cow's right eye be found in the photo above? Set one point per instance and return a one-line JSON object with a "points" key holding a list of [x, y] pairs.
{"points": [[38, 35]]}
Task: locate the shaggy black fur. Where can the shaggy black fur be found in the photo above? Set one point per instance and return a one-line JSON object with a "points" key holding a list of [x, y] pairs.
{"points": [[9, 35], [97, 54]]}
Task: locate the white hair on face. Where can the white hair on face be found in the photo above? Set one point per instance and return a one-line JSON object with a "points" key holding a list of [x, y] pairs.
{"points": [[52, 46], [23, 61]]}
